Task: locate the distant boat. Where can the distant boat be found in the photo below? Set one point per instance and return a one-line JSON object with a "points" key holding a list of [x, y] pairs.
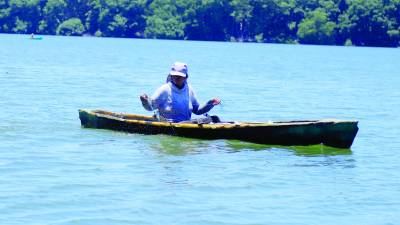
{"points": [[330, 132], [32, 37]]}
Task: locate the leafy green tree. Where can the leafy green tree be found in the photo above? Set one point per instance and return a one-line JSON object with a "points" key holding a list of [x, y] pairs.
{"points": [[118, 26], [392, 12], [366, 24], [71, 27], [351, 22], [78, 8], [164, 21], [54, 12], [5, 24], [122, 18], [274, 21], [25, 14], [342, 5], [242, 13], [210, 20], [92, 16], [135, 12], [21, 27], [331, 8], [317, 29], [105, 17]]}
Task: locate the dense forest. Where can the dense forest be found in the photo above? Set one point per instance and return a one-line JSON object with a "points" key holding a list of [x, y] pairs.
{"points": [[329, 22]]}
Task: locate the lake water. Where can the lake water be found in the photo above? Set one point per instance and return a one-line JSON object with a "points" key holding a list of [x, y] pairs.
{"points": [[52, 171]]}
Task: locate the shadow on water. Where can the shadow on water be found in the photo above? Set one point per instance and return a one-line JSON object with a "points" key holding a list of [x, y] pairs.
{"points": [[173, 145], [310, 150], [312, 155]]}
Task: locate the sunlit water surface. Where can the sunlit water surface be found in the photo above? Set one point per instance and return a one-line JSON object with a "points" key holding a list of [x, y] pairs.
{"points": [[52, 171]]}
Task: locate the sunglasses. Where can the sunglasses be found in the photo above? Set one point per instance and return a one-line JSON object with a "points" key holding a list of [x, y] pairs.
{"points": [[177, 77]]}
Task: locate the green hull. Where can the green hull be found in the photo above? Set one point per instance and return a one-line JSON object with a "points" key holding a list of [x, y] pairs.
{"points": [[335, 133]]}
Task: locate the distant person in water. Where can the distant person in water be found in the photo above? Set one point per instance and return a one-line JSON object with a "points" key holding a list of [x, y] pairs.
{"points": [[176, 100], [32, 36]]}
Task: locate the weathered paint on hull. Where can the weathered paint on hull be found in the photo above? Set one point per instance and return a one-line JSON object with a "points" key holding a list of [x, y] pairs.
{"points": [[335, 133]]}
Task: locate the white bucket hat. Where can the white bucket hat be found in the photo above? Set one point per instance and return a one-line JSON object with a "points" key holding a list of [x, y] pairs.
{"points": [[179, 69]]}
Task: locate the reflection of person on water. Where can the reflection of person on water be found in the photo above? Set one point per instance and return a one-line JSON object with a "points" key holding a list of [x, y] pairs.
{"points": [[176, 100]]}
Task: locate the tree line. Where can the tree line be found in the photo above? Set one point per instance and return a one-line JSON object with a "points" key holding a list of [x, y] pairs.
{"points": [[329, 22]]}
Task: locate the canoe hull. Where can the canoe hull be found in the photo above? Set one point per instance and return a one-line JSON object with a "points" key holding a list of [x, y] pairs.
{"points": [[333, 133]]}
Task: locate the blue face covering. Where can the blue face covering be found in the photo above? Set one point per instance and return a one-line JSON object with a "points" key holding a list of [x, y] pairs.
{"points": [[169, 79]]}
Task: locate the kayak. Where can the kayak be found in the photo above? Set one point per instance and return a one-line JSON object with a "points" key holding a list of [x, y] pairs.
{"points": [[330, 132]]}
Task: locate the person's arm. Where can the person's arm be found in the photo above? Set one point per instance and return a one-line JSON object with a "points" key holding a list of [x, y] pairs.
{"points": [[156, 99], [205, 108]]}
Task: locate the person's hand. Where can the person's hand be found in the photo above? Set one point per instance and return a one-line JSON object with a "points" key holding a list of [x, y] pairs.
{"points": [[215, 101], [144, 98], [146, 102]]}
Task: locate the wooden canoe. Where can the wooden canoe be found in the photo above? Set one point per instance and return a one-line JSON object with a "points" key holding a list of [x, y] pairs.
{"points": [[330, 132]]}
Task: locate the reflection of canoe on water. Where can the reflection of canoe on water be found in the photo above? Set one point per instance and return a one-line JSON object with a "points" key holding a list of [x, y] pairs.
{"points": [[336, 133], [36, 38]]}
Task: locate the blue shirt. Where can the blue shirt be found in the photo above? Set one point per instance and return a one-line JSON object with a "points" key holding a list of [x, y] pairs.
{"points": [[177, 104]]}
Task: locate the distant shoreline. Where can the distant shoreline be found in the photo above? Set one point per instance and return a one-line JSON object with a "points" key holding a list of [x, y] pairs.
{"points": [[372, 23], [244, 42]]}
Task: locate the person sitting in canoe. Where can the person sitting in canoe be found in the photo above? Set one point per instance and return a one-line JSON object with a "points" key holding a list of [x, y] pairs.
{"points": [[176, 100]]}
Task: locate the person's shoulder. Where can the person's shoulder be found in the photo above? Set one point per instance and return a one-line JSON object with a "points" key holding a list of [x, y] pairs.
{"points": [[164, 86], [190, 87], [162, 91]]}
